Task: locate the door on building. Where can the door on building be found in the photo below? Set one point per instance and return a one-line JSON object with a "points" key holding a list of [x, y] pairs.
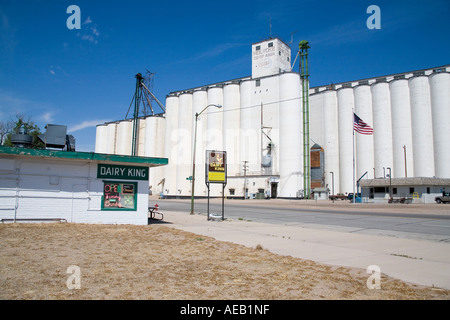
{"points": [[273, 189]]}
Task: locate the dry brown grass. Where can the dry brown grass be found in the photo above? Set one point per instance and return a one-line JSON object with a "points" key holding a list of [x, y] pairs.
{"points": [[157, 262]]}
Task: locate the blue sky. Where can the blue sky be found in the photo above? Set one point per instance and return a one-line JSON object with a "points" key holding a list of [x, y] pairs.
{"points": [[85, 77]]}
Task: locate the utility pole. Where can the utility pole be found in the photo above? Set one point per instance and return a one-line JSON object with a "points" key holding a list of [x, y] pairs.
{"points": [[245, 179]]}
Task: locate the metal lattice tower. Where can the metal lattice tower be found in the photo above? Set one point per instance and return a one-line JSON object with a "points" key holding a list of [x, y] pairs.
{"points": [[304, 75], [141, 95]]}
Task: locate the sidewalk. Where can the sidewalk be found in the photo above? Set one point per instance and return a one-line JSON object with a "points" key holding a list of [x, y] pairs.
{"points": [[419, 262]]}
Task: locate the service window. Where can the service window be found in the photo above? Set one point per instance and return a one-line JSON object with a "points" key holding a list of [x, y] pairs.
{"points": [[119, 195]]}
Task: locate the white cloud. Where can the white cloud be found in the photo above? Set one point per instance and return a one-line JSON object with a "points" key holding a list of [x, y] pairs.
{"points": [[88, 20], [85, 124], [89, 31], [46, 117]]}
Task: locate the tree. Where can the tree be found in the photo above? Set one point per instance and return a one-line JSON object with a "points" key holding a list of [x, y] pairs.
{"points": [[20, 124]]}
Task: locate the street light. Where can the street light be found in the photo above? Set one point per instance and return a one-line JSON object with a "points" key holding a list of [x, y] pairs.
{"points": [[193, 157]]}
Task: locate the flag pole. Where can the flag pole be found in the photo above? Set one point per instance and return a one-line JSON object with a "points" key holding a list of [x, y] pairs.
{"points": [[354, 194]]}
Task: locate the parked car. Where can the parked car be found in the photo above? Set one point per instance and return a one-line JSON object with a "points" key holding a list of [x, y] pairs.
{"points": [[444, 198]]}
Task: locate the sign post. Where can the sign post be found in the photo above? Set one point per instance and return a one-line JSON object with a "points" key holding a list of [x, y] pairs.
{"points": [[216, 172]]}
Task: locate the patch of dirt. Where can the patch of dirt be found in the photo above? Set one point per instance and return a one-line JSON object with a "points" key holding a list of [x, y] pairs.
{"points": [[158, 262]]}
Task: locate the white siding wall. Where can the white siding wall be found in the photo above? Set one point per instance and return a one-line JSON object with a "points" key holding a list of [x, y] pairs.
{"points": [[60, 189]]}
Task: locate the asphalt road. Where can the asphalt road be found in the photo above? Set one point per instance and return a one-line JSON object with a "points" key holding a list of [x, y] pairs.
{"points": [[424, 226]]}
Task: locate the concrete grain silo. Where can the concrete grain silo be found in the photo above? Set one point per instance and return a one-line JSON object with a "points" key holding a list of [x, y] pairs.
{"points": [[111, 138], [171, 145], [439, 83], [231, 124], [199, 102], [184, 142], [422, 127], [345, 118], [382, 128], [101, 132], [291, 137], [124, 137], [331, 140], [402, 145], [364, 143]]}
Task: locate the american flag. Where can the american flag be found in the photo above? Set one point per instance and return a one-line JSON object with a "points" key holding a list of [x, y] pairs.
{"points": [[360, 126]]}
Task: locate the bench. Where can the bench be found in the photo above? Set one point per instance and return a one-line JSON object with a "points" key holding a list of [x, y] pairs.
{"points": [[153, 211]]}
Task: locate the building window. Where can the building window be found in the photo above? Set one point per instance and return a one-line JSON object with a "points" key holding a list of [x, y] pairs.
{"points": [[258, 48], [258, 83], [270, 44], [380, 190], [394, 190], [411, 190], [279, 53], [287, 59], [119, 195], [428, 190], [231, 192]]}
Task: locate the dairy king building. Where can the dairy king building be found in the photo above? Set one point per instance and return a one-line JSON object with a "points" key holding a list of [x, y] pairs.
{"points": [[81, 187]]}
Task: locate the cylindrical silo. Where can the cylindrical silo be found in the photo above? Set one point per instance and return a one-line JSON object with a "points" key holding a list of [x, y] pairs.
{"points": [[214, 134], [111, 138], [364, 143], [331, 140], [141, 137], [248, 142], [154, 147], [291, 137], [345, 119], [170, 145], [316, 118], [248, 138], [231, 112], [382, 129], [101, 133], [214, 128], [124, 137], [402, 147], [440, 106], [199, 102], [422, 127], [184, 147]]}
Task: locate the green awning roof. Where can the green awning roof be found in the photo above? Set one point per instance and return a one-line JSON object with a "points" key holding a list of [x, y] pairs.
{"points": [[88, 156]]}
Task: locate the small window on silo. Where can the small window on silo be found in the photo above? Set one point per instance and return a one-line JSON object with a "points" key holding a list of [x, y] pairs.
{"points": [[258, 48], [258, 82], [270, 44]]}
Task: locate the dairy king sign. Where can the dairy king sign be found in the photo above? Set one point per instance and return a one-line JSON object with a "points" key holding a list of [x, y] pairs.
{"points": [[109, 171]]}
